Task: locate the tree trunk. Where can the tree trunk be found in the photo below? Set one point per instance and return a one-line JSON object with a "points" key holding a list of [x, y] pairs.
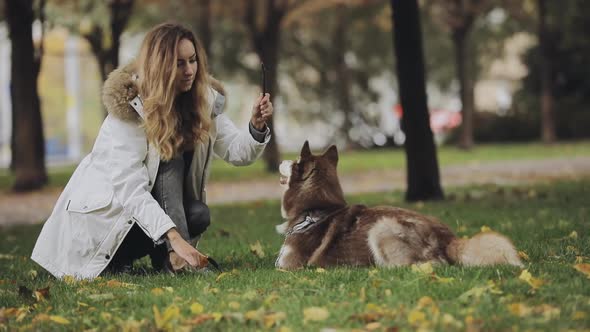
{"points": [[422, 165], [120, 13], [28, 153], [204, 25], [343, 73], [547, 118], [266, 44], [269, 55], [108, 58], [460, 37]]}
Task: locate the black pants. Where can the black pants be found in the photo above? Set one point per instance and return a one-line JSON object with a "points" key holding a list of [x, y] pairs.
{"points": [[190, 218]]}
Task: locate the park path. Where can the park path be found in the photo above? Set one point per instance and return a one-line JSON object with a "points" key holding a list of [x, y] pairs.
{"points": [[35, 207]]}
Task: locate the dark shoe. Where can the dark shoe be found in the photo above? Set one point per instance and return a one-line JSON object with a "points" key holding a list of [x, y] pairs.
{"points": [[118, 268]]}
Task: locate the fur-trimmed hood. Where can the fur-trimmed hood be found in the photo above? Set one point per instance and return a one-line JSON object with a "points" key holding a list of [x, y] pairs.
{"points": [[120, 88]]}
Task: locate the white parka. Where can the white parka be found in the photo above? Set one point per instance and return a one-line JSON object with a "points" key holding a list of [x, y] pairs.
{"points": [[110, 189]]}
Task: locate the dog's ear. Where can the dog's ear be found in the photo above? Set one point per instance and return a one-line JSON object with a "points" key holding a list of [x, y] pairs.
{"points": [[332, 154], [305, 151]]}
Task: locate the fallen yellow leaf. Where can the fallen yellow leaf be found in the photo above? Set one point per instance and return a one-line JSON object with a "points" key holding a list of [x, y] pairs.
{"points": [[526, 276], [449, 320], [197, 308], [416, 317], [200, 319], [41, 294], [519, 309], [573, 235], [212, 290], [271, 299], [315, 314], [56, 319], [257, 250], [217, 316], [549, 312], [523, 255], [425, 301], [362, 294], [273, 319], [131, 325], [475, 292], [166, 320], [584, 268], [373, 307], [116, 283], [254, 315], [70, 280], [59, 320], [444, 280], [425, 268], [234, 305], [579, 315], [221, 276], [101, 297], [485, 229], [373, 326]]}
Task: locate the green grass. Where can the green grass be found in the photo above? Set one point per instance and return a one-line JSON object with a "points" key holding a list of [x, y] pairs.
{"points": [[380, 159], [539, 218]]}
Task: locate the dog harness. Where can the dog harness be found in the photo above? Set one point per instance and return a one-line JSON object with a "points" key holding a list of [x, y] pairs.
{"points": [[310, 221], [303, 226]]}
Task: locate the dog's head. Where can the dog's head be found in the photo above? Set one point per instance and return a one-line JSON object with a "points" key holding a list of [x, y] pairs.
{"points": [[310, 182]]}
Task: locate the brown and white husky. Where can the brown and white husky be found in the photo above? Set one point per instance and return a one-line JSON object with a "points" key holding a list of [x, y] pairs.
{"points": [[323, 230]]}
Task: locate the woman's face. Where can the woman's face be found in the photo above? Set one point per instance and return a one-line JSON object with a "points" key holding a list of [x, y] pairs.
{"points": [[186, 66]]}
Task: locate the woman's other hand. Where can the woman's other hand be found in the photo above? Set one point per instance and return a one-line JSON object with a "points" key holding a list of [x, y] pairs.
{"points": [[261, 112], [187, 252]]}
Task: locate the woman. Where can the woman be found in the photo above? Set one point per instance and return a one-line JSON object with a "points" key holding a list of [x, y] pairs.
{"points": [[141, 189]]}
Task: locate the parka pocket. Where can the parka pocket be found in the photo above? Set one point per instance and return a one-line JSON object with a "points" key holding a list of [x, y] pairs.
{"points": [[90, 199]]}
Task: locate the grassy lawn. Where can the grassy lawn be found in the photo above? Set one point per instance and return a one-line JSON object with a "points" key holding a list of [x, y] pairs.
{"points": [[548, 222], [354, 161]]}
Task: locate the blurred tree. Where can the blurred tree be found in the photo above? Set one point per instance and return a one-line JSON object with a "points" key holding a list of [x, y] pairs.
{"points": [[199, 15], [204, 13], [546, 46], [105, 40], [422, 164], [459, 16], [27, 143], [567, 50], [263, 20], [334, 68], [101, 23], [344, 81]]}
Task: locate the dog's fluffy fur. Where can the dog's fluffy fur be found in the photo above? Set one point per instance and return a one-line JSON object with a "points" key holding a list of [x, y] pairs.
{"points": [[322, 230]]}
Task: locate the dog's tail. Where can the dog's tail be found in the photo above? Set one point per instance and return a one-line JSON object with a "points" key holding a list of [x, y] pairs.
{"points": [[486, 248]]}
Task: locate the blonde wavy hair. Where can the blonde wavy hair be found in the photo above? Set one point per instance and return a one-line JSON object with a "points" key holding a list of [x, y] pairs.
{"points": [[172, 123]]}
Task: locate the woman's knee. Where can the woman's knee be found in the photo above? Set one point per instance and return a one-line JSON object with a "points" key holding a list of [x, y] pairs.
{"points": [[198, 218]]}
